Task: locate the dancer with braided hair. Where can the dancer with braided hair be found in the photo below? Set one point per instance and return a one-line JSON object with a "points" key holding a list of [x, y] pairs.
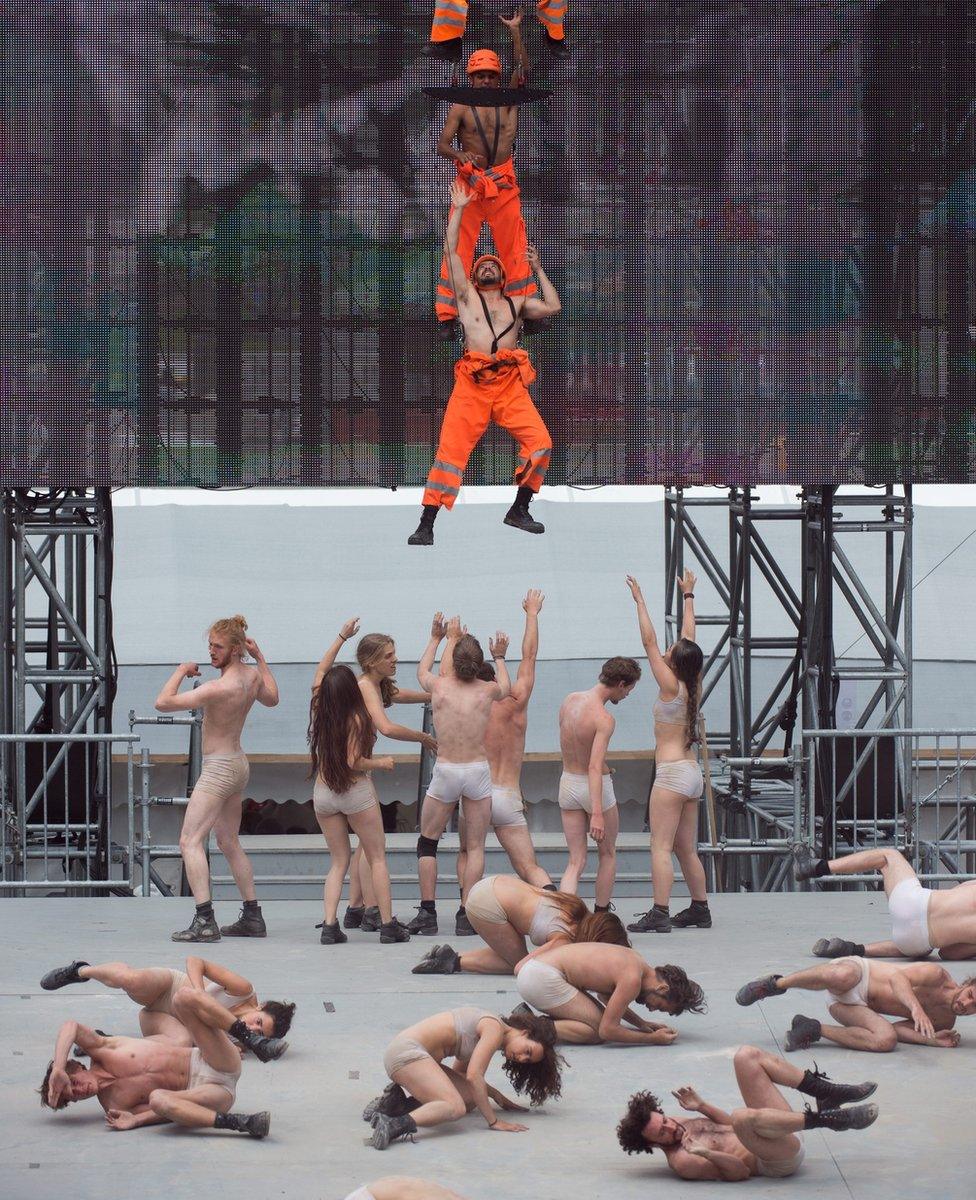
{"points": [[678, 782]]}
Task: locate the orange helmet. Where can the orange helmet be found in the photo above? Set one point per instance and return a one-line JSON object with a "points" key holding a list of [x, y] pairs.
{"points": [[501, 269], [484, 60]]}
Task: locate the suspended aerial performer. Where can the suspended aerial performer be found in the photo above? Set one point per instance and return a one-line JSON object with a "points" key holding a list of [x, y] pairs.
{"points": [[424, 1092], [155, 987], [376, 654], [922, 920], [451, 19], [490, 383], [461, 698], [505, 911], [341, 737], [678, 783], [505, 746], [586, 797], [401, 1187], [761, 1138], [559, 981], [148, 1081], [923, 995], [218, 793]]}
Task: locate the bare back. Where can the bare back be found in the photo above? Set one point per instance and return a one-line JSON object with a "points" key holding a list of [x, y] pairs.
{"points": [[137, 1066], [595, 966], [519, 900], [952, 914], [580, 715], [935, 998], [227, 702], [505, 741], [461, 711]]}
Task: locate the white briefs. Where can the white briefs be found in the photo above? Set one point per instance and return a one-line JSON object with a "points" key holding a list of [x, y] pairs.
{"points": [[543, 986], [908, 907], [507, 807], [858, 994], [574, 792], [452, 781]]}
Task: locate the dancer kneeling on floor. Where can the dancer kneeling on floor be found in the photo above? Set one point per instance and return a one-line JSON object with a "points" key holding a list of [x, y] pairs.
{"points": [[505, 911], [922, 920], [864, 993], [424, 1092], [341, 737], [154, 988], [558, 982], [148, 1081], [763, 1138], [400, 1187]]}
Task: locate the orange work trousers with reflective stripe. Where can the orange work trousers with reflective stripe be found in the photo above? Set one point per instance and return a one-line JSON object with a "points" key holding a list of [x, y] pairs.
{"points": [[485, 390], [503, 213], [451, 18]]}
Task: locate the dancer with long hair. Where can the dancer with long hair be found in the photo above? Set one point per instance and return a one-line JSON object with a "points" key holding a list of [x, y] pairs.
{"points": [[678, 782], [505, 911], [341, 737]]}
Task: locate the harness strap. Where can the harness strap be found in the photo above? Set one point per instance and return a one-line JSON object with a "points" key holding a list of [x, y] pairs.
{"points": [[496, 337], [493, 150]]}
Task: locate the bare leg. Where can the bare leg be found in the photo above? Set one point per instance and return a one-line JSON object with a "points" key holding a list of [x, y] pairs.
{"points": [[227, 830], [144, 985], [368, 827], [860, 1029], [584, 1011], [486, 962], [606, 867], [506, 945], [477, 822], [686, 850], [892, 865], [462, 858], [958, 952], [882, 950], [157, 1024], [839, 976], [336, 833], [436, 1089], [355, 882], [194, 1108], [517, 843], [433, 822], [207, 1022], [200, 817], [665, 812], [366, 878], [767, 1124], [575, 828]]}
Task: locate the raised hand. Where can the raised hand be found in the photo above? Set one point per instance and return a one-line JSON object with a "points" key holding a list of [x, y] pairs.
{"points": [[498, 645], [438, 626], [532, 254], [349, 629], [534, 599], [513, 22], [190, 669], [688, 1098], [460, 196], [635, 589], [687, 580], [454, 629], [253, 650]]}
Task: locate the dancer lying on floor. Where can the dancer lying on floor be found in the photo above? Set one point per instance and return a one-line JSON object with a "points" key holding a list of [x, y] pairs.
{"points": [[863, 994], [922, 920], [762, 1138], [504, 911], [156, 987], [424, 1092], [148, 1081], [559, 981]]}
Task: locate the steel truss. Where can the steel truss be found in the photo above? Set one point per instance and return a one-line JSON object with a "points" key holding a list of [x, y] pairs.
{"points": [[752, 783], [58, 678]]}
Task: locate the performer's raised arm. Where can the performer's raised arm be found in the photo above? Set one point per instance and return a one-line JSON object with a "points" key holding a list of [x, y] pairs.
{"points": [[548, 303], [520, 70], [460, 199]]}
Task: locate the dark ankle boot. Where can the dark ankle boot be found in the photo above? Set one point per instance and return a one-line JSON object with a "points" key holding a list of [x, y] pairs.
{"points": [[860, 1116], [200, 929], [391, 1129], [832, 1095], [255, 1124], [423, 535], [249, 924], [264, 1049], [518, 515]]}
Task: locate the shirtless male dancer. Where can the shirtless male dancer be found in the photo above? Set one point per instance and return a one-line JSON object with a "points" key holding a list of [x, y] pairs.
{"points": [[762, 1138], [922, 919], [863, 993], [461, 697], [148, 1081], [505, 746], [558, 981], [401, 1187], [154, 988], [586, 796], [218, 793]]}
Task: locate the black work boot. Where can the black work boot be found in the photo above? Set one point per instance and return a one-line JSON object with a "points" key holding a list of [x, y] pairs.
{"points": [[442, 960], [655, 920], [354, 917], [557, 47], [832, 1095], [462, 926], [518, 515], [449, 51], [264, 1049], [806, 863], [393, 931], [331, 935], [394, 1102], [371, 919], [423, 535], [390, 1129], [759, 989], [802, 1033], [839, 1119], [696, 915], [61, 976], [256, 1124], [424, 922], [249, 924], [201, 929], [837, 948]]}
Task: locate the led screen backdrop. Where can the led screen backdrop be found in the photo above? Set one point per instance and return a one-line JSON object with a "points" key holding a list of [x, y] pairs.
{"points": [[222, 225]]}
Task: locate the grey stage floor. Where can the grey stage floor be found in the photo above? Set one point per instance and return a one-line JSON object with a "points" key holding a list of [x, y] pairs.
{"points": [[352, 999]]}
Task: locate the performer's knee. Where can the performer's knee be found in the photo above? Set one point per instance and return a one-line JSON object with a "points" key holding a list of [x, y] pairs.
{"points": [[427, 847]]}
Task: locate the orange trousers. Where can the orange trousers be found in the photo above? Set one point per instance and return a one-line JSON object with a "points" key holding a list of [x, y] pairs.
{"points": [[451, 18], [497, 202], [488, 389]]}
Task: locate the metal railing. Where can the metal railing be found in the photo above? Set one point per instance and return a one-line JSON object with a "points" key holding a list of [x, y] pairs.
{"points": [[906, 788], [63, 837]]}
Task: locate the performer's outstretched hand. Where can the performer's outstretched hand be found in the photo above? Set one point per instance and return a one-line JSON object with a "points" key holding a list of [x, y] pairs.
{"points": [[498, 645], [687, 580], [635, 588], [460, 196], [438, 627], [532, 254], [512, 22], [349, 629], [688, 1098], [533, 601]]}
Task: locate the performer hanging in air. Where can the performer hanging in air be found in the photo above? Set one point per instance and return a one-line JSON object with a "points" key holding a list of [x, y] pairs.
{"points": [[490, 383], [451, 19]]}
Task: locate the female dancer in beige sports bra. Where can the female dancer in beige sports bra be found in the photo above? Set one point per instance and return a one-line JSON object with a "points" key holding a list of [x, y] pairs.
{"points": [[678, 783], [505, 911]]}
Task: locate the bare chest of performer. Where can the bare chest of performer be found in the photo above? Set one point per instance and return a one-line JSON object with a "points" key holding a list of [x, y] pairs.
{"points": [[461, 712], [129, 1069], [505, 742], [487, 134], [935, 999], [579, 716], [707, 1135]]}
